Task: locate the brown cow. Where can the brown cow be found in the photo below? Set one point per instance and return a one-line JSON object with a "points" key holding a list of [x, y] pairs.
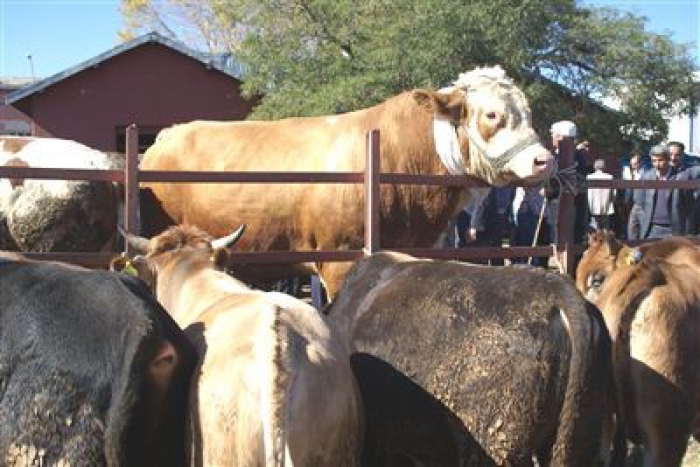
{"points": [[273, 383], [504, 363], [650, 299], [480, 126]]}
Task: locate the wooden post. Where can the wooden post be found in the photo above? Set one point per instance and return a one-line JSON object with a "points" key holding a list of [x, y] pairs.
{"points": [[567, 213], [131, 183], [372, 170]]}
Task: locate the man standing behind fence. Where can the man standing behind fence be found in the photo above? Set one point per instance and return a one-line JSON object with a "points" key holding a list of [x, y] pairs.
{"points": [[600, 200], [559, 131], [690, 198], [659, 208], [633, 216]]}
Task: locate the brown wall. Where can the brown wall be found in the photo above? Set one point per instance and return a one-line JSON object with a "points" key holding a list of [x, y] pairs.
{"points": [[151, 85], [11, 119]]}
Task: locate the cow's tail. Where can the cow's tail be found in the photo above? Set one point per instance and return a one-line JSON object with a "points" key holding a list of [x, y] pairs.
{"points": [[585, 408], [276, 393]]}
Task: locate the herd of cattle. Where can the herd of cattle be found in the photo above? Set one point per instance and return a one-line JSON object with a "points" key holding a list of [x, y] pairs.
{"points": [[414, 362]]}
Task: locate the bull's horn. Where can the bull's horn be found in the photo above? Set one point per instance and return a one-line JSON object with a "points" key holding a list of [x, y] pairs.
{"points": [[140, 244], [229, 240]]}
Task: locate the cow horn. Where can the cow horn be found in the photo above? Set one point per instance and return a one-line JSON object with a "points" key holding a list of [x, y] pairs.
{"points": [[229, 240], [140, 244]]}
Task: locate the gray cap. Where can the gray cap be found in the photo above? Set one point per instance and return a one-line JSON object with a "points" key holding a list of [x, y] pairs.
{"points": [[659, 150]]}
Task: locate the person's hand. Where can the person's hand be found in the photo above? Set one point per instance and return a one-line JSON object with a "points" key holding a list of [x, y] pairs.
{"points": [[471, 235]]}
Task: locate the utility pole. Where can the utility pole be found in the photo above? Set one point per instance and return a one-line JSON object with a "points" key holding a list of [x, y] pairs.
{"points": [[31, 66]]}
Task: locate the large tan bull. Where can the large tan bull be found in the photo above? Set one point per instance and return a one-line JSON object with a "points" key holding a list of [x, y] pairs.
{"points": [[273, 385], [650, 299], [480, 126]]}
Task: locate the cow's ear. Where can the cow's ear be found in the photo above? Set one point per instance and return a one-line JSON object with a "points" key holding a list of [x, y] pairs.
{"points": [[450, 105], [220, 258], [137, 267], [161, 368], [119, 263]]}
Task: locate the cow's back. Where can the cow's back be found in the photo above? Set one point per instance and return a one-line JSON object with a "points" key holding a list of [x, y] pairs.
{"points": [[286, 216], [488, 343], [265, 356], [75, 346], [652, 309], [55, 215]]}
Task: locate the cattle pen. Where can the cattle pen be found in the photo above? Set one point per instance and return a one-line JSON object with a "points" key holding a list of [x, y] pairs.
{"points": [[131, 177]]}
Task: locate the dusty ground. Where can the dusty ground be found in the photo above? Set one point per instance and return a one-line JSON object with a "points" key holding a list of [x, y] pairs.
{"points": [[692, 456]]}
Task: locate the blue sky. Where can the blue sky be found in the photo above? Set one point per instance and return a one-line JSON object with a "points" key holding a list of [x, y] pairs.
{"points": [[62, 33]]}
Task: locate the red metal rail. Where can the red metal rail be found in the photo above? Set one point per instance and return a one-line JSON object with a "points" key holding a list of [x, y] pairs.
{"points": [[131, 177]]}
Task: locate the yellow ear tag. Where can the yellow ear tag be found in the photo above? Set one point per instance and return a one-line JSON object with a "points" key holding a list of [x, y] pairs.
{"points": [[632, 256], [130, 269]]}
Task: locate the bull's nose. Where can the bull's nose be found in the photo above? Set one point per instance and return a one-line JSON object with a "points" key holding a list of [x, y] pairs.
{"points": [[544, 159], [544, 163]]}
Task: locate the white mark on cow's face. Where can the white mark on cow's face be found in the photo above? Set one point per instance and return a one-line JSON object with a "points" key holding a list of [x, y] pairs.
{"points": [[498, 127]]}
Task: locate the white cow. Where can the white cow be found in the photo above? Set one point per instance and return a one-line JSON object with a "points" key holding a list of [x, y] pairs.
{"points": [[55, 215], [273, 384]]}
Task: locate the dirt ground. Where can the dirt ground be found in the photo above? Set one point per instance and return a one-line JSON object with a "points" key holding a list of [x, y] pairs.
{"points": [[692, 456]]}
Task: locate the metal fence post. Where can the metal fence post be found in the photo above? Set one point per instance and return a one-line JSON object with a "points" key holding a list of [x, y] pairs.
{"points": [[131, 183], [566, 214], [372, 170]]}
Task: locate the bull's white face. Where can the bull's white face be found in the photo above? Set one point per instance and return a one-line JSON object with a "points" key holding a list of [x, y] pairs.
{"points": [[502, 143], [495, 130]]}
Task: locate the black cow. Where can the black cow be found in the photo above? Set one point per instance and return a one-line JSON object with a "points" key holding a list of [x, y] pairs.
{"points": [[500, 363], [92, 370]]}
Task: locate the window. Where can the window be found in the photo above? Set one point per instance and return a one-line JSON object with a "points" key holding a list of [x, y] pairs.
{"points": [[147, 136]]}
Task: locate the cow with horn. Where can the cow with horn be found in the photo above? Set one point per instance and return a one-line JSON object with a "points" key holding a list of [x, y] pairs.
{"points": [[273, 383]]}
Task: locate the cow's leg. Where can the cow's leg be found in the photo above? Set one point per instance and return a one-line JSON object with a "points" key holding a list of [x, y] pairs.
{"points": [[664, 433], [665, 452]]}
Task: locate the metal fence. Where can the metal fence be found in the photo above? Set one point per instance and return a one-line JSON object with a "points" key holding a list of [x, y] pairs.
{"points": [[372, 178]]}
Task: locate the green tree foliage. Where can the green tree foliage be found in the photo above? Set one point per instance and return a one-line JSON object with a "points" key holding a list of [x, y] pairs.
{"points": [[310, 57]]}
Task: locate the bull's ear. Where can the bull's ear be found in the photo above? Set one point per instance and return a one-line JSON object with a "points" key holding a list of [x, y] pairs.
{"points": [[220, 258], [447, 105]]}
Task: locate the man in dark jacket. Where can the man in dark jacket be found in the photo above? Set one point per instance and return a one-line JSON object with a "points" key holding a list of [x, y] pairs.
{"points": [[661, 210]]}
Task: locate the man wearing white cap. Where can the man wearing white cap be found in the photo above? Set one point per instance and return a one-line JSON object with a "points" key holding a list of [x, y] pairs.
{"points": [[560, 130]]}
